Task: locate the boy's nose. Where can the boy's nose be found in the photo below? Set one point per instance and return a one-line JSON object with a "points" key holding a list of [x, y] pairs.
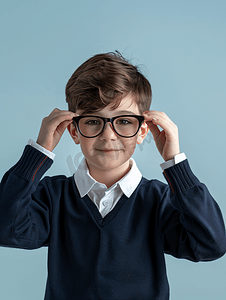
{"points": [[108, 132]]}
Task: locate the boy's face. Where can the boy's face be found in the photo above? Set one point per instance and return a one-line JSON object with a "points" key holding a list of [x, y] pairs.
{"points": [[109, 151]]}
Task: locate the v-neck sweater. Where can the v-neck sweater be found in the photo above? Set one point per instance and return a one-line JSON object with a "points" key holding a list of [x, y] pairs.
{"points": [[120, 256]]}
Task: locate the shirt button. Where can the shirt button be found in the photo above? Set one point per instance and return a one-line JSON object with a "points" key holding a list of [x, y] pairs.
{"points": [[105, 203]]}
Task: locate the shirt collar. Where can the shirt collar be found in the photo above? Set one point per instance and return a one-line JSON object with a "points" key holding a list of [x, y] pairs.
{"points": [[85, 182]]}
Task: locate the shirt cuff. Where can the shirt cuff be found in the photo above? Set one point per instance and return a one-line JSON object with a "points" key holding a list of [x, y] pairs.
{"points": [[41, 149], [176, 160]]}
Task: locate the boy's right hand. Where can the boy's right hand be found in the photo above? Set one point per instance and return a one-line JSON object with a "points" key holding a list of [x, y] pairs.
{"points": [[53, 127]]}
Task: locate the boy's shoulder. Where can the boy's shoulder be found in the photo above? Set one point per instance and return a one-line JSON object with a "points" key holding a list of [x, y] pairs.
{"points": [[57, 182], [153, 187], [152, 183]]}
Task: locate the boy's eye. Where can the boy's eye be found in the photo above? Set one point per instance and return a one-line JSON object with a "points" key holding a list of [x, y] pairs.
{"points": [[92, 122], [123, 121]]}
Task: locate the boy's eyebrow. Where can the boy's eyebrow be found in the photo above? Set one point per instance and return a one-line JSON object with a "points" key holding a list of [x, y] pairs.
{"points": [[121, 112], [126, 112]]}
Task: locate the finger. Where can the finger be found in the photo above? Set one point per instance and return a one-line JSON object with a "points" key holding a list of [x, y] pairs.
{"points": [[156, 115], [57, 113], [56, 117], [162, 120], [62, 126], [154, 129]]}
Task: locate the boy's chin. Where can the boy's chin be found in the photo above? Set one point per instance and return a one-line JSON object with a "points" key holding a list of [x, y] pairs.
{"points": [[108, 162]]}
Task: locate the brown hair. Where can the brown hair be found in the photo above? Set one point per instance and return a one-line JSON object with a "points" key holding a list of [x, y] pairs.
{"points": [[105, 79]]}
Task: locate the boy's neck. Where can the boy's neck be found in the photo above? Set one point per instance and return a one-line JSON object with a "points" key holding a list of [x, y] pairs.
{"points": [[109, 177]]}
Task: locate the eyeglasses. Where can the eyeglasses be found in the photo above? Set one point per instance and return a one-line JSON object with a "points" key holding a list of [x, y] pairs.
{"points": [[125, 126]]}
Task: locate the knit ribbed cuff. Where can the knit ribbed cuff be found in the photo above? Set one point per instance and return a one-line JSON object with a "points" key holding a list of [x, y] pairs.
{"points": [[32, 164], [180, 177]]}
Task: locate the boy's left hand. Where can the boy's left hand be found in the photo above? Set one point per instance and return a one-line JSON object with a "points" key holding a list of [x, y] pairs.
{"points": [[167, 140]]}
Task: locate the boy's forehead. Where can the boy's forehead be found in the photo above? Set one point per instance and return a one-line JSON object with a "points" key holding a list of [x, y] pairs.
{"points": [[126, 106]]}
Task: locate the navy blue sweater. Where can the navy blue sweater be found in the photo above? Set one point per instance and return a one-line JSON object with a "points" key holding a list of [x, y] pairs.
{"points": [[121, 256]]}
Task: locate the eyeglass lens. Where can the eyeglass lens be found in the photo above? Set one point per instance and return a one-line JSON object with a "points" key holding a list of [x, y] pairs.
{"points": [[124, 126]]}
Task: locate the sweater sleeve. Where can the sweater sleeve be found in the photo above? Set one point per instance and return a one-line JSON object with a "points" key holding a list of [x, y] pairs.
{"points": [[24, 219], [191, 223]]}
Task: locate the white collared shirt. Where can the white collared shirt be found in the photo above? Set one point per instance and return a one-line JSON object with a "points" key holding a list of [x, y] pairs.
{"points": [[106, 198]]}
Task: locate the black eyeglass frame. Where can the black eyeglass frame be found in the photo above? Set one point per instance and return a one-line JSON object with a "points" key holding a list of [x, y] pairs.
{"points": [[111, 120]]}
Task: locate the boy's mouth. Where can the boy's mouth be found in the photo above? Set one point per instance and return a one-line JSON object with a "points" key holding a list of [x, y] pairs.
{"points": [[108, 150]]}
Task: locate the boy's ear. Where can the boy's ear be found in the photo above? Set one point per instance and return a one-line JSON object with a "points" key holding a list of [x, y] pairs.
{"points": [[142, 133], [74, 133]]}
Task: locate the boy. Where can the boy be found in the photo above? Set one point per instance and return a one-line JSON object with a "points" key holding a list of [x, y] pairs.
{"points": [[107, 228]]}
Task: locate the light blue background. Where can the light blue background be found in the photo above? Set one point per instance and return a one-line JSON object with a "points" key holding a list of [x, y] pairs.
{"points": [[179, 45]]}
